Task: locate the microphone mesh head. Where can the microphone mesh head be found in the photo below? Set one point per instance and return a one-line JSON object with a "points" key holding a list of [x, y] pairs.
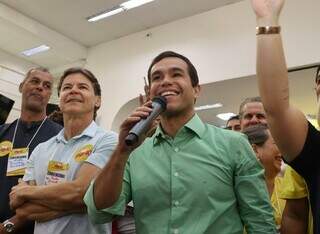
{"points": [[161, 100]]}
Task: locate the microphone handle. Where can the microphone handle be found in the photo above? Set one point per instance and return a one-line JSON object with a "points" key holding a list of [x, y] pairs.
{"points": [[143, 125]]}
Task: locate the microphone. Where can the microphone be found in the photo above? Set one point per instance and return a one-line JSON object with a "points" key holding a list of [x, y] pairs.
{"points": [[159, 104]]}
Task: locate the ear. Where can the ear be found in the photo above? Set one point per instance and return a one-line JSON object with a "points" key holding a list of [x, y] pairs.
{"points": [[20, 86], [197, 90], [97, 102], [256, 150]]}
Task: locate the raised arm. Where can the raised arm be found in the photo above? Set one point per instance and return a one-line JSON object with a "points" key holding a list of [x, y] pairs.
{"points": [[287, 124]]}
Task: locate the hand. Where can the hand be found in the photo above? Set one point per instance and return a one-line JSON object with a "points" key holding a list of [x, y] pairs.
{"points": [[267, 11], [16, 194], [2, 231], [140, 113]]}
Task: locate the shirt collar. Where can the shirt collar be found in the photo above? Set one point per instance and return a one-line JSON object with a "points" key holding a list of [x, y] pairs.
{"points": [[195, 124], [89, 131]]}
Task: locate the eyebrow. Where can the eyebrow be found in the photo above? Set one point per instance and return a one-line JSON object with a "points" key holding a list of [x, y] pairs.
{"points": [[171, 69]]}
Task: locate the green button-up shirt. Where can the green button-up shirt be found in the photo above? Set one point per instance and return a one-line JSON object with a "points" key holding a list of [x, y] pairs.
{"points": [[204, 180]]}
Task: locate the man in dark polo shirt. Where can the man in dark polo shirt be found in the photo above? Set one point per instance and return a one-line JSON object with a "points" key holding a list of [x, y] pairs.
{"points": [[19, 138]]}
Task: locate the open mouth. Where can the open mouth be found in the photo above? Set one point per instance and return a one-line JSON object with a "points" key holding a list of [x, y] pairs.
{"points": [[169, 93], [74, 100]]}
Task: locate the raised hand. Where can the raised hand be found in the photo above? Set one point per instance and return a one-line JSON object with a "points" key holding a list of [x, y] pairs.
{"points": [[267, 11], [140, 113]]}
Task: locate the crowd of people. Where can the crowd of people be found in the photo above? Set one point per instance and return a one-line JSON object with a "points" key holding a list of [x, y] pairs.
{"points": [[184, 176]]}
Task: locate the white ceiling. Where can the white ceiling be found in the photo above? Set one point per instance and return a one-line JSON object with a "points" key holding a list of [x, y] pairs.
{"points": [[62, 25]]}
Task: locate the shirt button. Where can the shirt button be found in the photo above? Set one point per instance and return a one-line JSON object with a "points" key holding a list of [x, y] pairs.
{"points": [[176, 149], [176, 174], [176, 203], [176, 231]]}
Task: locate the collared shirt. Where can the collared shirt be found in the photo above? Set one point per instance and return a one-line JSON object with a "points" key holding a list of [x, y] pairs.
{"points": [[25, 132], [204, 180], [75, 153]]}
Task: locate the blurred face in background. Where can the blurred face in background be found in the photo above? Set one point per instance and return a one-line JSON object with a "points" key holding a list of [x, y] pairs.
{"points": [[252, 113], [269, 155], [234, 125]]}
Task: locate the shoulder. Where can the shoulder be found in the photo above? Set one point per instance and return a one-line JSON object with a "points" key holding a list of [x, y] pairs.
{"points": [[53, 125], [5, 127], [224, 137]]}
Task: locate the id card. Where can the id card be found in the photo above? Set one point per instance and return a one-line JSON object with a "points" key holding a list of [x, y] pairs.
{"points": [[17, 162], [57, 172]]}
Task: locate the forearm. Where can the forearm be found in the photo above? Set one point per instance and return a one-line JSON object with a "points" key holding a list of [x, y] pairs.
{"points": [[64, 196], [110, 180], [40, 213], [272, 73], [295, 217]]}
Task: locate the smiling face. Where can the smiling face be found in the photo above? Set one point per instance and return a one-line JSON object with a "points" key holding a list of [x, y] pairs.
{"points": [[77, 96], [269, 155], [253, 113], [36, 90], [170, 78]]}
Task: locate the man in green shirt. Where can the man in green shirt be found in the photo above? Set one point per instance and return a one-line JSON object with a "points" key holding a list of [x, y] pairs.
{"points": [[189, 177]]}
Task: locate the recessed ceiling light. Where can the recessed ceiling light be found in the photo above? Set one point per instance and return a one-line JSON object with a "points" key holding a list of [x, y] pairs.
{"points": [[35, 50], [105, 14], [206, 107], [225, 116]]}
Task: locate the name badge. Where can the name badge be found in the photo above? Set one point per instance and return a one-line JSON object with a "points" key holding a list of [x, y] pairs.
{"points": [[57, 172], [17, 162], [5, 148]]}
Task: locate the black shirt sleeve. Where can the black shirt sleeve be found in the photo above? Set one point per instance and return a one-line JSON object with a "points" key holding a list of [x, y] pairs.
{"points": [[307, 162]]}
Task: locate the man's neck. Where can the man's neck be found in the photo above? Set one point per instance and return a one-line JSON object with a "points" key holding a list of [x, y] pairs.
{"points": [[75, 125], [29, 116], [172, 124]]}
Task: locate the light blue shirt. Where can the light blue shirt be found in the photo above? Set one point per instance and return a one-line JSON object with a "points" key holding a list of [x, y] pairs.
{"points": [[59, 149]]}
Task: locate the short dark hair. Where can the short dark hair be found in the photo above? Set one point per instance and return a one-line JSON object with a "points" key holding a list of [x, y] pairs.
{"points": [[235, 117], [89, 75], [317, 74], [170, 54], [248, 100], [257, 134], [42, 69]]}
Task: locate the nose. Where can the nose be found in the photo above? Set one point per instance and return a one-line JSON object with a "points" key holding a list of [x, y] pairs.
{"points": [[254, 120], [166, 80], [40, 86]]}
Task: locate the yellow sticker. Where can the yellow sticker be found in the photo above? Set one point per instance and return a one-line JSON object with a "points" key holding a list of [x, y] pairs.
{"points": [[83, 153], [57, 166], [5, 148]]}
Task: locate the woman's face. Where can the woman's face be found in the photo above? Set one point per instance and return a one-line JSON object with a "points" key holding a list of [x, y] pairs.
{"points": [[270, 156]]}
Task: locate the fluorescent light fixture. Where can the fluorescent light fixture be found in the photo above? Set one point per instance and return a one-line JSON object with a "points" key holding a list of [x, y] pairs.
{"points": [[134, 3], [35, 50], [116, 10], [206, 107], [105, 14], [225, 116]]}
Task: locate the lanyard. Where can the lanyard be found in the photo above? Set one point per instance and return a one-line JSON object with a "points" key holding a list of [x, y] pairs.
{"points": [[34, 135]]}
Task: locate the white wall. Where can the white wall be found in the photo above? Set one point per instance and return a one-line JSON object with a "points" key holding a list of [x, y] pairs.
{"points": [[221, 44], [12, 70]]}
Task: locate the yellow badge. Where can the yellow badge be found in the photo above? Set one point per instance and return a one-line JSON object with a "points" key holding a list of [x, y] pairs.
{"points": [[17, 161], [5, 148], [83, 153], [57, 166]]}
